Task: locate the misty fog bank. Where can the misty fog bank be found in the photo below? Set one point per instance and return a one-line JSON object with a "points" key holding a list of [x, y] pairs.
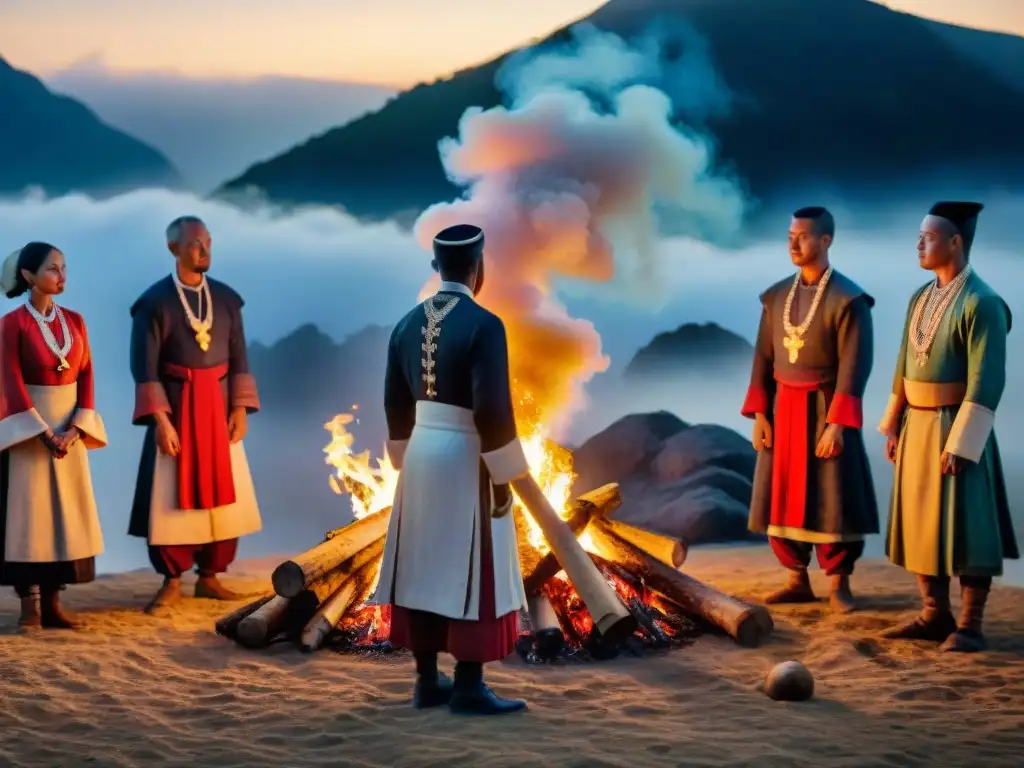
{"points": [[322, 267]]}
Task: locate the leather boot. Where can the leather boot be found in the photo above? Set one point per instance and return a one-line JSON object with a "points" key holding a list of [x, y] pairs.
{"points": [[208, 586], [30, 615], [432, 688], [968, 637], [935, 622], [52, 615], [797, 589], [471, 696], [841, 597], [168, 594]]}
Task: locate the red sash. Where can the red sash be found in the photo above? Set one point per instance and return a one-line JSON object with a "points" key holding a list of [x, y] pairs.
{"points": [[205, 480], [791, 454]]}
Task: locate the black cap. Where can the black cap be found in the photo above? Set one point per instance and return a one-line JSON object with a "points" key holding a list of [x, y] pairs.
{"points": [[458, 247], [962, 215]]}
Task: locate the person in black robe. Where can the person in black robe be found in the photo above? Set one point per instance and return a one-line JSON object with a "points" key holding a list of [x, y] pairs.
{"points": [[450, 570]]}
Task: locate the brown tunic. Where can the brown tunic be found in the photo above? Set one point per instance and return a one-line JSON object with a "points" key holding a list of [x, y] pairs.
{"points": [[806, 498]]}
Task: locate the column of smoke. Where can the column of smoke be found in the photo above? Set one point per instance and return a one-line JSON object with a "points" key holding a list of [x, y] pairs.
{"points": [[566, 184]]}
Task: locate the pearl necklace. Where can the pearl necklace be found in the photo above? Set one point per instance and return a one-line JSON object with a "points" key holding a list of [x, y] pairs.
{"points": [[931, 308], [430, 334], [794, 341], [43, 321], [200, 326]]}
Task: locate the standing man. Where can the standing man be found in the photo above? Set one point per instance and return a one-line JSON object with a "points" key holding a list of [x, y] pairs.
{"points": [[812, 483], [451, 565], [194, 496], [949, 514]]}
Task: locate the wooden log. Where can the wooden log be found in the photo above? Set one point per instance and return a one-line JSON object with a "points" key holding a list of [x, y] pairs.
{"points": [[352, 592], [611, 618], [262, 625], [293, 576], [227, 626], [748, 625], [542, 613], [331, 581], [594, 504], [671, 552]]}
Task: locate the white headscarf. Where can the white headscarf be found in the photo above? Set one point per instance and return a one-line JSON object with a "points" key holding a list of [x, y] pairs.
{"points": [[9, 272]]}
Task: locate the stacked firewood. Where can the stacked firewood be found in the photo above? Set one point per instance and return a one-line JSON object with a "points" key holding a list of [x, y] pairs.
{"points": [[316, 590]]}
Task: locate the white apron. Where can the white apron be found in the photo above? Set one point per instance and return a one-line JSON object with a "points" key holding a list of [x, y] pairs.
{"points": [[432, 551], [169, 525], [51, 510]]}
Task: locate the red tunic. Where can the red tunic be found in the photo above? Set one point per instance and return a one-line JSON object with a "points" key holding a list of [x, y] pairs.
{"points": [[26, 360]]}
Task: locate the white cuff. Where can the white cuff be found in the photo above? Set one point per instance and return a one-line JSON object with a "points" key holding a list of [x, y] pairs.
{"points": [[90, 423], [969, 433], [888, 425], [396, 452], [21, 427], [507, 463]]}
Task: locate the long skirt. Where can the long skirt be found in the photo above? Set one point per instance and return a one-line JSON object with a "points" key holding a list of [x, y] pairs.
{"points": [[947, 525], [49, 525], [444, 554]]}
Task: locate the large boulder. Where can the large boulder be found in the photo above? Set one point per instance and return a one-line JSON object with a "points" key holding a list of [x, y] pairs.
{"points": [[689, 482], [702, 445], [622, 449]]}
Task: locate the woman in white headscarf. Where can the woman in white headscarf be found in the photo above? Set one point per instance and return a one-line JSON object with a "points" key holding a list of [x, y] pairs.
{"points": [[49, 526]]}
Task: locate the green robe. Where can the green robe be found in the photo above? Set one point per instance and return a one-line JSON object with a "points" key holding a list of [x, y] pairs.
{"points": [[951, 525]]}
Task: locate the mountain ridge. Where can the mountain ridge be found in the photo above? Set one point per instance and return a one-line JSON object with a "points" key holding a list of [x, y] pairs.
{"points": [[57, 143], [376, 168]]}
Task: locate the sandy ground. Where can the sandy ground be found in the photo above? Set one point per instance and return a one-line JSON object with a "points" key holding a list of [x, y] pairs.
{"points": [[131, 690]]}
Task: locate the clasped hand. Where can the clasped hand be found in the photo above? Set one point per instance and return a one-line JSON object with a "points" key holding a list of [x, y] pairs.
{"points": [[58, 443]]}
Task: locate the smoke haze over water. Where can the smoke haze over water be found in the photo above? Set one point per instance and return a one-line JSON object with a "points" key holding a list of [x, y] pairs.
{"points": [[321, 267]]}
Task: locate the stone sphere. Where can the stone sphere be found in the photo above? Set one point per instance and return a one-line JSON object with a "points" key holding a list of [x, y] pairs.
{"points": [[789, 681]]}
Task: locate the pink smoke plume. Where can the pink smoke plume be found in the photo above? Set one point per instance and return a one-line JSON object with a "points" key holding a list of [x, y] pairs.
{"points": [[565, 191]]}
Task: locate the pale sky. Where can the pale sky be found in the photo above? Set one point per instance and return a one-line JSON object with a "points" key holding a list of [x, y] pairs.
{"points": [[392, 42]]}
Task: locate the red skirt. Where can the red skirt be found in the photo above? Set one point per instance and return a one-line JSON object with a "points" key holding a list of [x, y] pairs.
{"points": [[489, 638]]}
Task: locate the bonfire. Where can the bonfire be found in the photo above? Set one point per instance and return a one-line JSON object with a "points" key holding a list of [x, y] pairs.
{"points": [[627, 592]]}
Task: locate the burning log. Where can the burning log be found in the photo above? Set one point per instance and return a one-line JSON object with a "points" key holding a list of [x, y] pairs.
{"points": [[291, 577], [671, 552], [548, 638], [353, 591], [611, 618], [748, 625], [597, 503]]}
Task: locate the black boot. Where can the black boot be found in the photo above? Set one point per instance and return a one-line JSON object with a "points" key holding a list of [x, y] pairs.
{"points": [[968, 637], [935, 622], [432, 687], [472, 696]]}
